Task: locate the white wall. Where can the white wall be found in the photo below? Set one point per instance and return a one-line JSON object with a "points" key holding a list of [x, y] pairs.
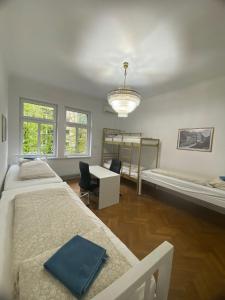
{"points": [[4, 111], [200, 105], [19, 87]]}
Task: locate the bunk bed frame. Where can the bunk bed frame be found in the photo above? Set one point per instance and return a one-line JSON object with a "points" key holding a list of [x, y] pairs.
{"points": [[131, 143]]}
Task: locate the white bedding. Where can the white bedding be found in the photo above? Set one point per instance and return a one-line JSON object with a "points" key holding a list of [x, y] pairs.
{"points": [[125, 169], [6, 215], [124, 139], [205, 193], [12, 180], [183, 176]]}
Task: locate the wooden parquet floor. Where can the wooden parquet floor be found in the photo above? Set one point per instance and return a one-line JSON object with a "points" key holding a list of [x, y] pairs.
{"points": [[197, 233]]}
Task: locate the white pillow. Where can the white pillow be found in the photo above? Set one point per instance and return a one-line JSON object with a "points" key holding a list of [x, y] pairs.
{"points": [[24, 160], [218, 183], [35, 169]]}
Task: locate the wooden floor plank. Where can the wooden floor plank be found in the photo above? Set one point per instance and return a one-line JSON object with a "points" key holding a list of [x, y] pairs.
{"points": [[198, 234]]}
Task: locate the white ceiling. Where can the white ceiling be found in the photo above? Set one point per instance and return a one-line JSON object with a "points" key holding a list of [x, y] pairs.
{"points": [[81, 44]]}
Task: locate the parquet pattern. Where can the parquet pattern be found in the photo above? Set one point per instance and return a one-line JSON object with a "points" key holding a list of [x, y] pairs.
{"points": [[198, 234]]}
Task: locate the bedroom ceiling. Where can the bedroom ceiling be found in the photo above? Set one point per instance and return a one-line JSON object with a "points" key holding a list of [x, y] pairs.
{"points": [[80, 45]]}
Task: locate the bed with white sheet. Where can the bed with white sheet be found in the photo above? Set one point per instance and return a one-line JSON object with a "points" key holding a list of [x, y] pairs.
{"points": [[13, 181], [138, 281], [204, 189]]}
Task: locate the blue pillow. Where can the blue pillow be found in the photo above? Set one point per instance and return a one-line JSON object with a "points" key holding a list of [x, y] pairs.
{"points": [[76, 264], [222, 178]]}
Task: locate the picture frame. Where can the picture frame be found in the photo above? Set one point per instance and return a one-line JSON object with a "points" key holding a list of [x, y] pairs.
{"points": [[4, 128], [195, 139]]}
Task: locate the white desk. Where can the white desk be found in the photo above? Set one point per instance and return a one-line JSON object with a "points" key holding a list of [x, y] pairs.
{"points": [[109, 186]]}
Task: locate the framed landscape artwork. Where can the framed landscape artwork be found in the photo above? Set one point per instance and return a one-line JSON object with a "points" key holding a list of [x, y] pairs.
{"points": [[195, 139], [4, 129]]}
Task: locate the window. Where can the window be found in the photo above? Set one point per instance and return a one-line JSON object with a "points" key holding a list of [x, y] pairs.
{"points": [[38, 128], [78, 124]]}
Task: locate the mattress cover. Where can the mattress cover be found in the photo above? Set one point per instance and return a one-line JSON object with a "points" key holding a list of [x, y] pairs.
{"points": [[183, 176], [6, 216], [124, 139], [12, 180], [205, 193], [33, 277]]}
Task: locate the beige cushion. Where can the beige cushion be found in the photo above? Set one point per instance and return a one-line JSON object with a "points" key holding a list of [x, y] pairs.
{"points": [[37, 284], [218, 183], [23, 161], [34, 170]]}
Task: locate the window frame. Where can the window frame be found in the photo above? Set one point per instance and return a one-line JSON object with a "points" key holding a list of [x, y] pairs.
{"points": [[77, 126], [39, 121]]}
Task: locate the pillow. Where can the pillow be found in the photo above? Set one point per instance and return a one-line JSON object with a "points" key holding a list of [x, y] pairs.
{"points": [[24, 160], [37, 284], [35, 170], [218, 183]]}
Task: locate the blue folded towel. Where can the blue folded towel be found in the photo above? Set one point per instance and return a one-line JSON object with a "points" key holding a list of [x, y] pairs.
{"points": [[76, 264]]}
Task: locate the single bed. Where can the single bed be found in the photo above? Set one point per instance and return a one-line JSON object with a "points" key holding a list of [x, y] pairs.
{"points": [[138, 281], [12, 180], [192, 186]]}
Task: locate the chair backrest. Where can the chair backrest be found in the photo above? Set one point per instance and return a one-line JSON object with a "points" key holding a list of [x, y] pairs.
{"points": [[85, 176], [115, 166]]}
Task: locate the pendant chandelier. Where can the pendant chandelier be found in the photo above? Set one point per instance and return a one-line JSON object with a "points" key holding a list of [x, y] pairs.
{"points": [[124, 100]]}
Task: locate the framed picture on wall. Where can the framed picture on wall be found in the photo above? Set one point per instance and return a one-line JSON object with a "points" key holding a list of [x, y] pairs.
{"points": [[4, 128], [195, 139]]}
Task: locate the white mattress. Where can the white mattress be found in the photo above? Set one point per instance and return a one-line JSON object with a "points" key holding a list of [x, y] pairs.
{"points": [[12, 180], [204, 193], [6, 216], [125, 169], [124, 139], [184, 176]]}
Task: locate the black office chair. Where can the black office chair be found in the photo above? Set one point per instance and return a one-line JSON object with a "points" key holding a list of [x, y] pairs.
{"points": [[115, 166], [86, 184]]}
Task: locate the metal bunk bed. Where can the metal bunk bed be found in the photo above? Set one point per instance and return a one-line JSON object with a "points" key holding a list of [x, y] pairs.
{"points": [[130, 148]]}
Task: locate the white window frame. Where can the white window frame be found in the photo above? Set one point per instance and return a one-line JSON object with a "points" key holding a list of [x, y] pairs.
{"points": [[38, 121], [77, 126]]}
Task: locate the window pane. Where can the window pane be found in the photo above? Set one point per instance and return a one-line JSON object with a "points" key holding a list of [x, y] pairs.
{"points": [[70, 140], [76, 117], [46, 139], [82, 141], [38, 111], [30, 138]]}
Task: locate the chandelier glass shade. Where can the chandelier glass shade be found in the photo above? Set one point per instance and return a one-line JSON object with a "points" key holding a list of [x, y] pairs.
{"points": [[124, 100]]}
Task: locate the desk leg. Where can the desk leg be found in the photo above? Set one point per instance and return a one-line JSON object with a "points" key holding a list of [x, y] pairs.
{"points": [[109, 191]]}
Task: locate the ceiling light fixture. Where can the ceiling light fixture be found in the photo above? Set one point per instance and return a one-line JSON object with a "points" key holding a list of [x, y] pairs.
{"points": [[124, 100]]}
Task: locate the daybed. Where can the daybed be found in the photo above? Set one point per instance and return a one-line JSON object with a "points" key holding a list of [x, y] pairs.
{"points": [[36, 220], [13, 180], [192, 186]]}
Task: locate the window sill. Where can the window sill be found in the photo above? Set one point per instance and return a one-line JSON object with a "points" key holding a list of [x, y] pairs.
{"points": [[69, 157]]}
